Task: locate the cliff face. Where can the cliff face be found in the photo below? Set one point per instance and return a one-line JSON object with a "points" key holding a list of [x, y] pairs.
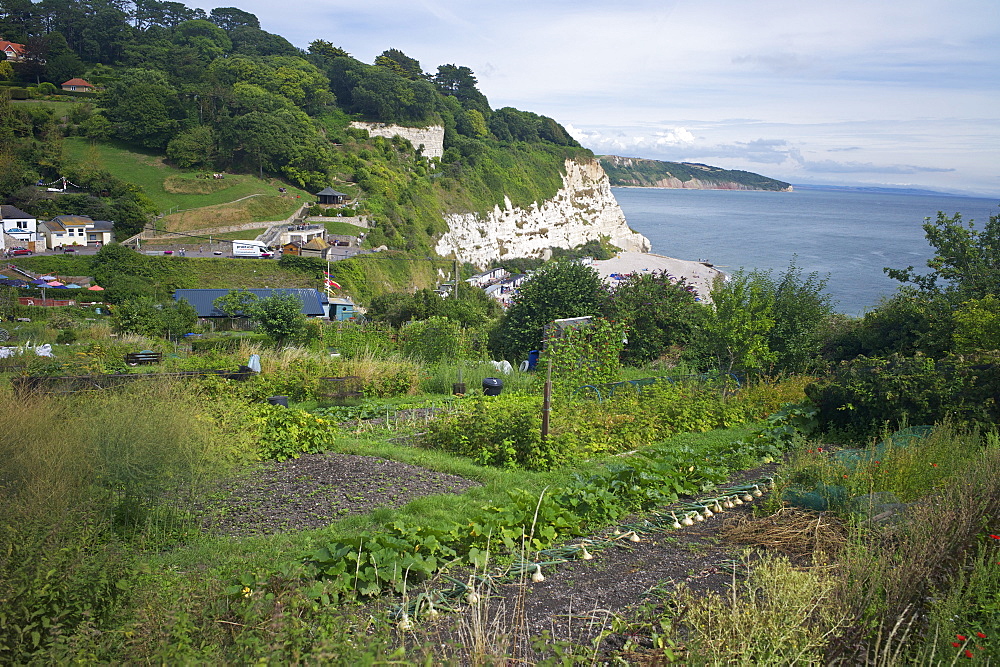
{"points": [[582, 210], [431, 138], [692, 184]]}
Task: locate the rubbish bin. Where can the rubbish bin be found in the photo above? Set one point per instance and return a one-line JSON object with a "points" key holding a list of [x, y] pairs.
{"points": [[492, 386], [533, 359], [278, 400]]}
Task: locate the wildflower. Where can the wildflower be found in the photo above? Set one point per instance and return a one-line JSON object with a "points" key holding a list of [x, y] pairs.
{"points": [[934, 464], [247, 592], [961, 638], [819, 449], [968, 653], [877, 462], [981, 635], [956, 644], [845, 476], [995, 537]]}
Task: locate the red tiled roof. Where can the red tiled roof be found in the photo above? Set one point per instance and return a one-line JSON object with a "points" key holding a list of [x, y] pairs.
{"points": [[77, 82], [17, 48]]}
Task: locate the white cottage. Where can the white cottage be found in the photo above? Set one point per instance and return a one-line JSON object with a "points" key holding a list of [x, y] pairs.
{"points": [[18, 225], [64, 230]]}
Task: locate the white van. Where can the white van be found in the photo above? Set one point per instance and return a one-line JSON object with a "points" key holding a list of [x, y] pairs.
{"points": [[250, 249]]}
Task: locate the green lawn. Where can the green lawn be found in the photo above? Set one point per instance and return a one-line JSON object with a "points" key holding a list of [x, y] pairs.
{"points": [[337, 227], [61, 107], [172, 189]]}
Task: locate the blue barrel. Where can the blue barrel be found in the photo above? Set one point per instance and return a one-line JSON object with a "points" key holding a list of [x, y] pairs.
{"points": [[492, 386], [533, 359]]}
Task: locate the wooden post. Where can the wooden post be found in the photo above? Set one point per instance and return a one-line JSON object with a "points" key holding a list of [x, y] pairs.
{"points": [[547, 401]]}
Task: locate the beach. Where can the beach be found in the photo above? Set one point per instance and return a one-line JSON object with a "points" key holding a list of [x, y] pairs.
{"points": [[698, 274]]}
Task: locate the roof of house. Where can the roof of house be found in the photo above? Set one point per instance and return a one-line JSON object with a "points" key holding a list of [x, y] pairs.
{"points": [[12, 46], [60, 222], [203, 299], [77, 82], [316, 244], [330, 192], [8, 211]]}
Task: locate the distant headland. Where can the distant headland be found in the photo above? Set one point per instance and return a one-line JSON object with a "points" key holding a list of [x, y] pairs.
{"points": [[640, 172]]}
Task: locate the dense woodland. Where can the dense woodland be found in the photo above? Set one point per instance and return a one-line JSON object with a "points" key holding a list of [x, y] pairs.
{"points": [[215, 92]]}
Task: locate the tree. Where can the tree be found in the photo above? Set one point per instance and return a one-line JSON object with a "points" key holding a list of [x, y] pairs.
{"points": [[321, 47], [193, 148], [966, 261], [279, 316], [142, 107], [658, 312], [400, 63], [742, 317], [236, 303], [460, 83], [61, 64], [558, 290], [801, 310], [146, 317], [230, 18]]}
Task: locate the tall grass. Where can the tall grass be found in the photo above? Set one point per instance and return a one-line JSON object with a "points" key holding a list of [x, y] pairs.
{"points": [[87, 482]]}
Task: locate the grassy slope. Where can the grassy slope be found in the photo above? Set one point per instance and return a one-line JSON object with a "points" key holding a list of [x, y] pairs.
{"points": [[361, 277], [174, 189]]}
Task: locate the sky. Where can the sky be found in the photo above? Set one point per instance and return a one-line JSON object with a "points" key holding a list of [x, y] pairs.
{"points": [[854, 92]]}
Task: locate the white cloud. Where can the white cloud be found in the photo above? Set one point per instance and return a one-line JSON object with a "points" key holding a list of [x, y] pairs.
{"points": [[907, 87]]}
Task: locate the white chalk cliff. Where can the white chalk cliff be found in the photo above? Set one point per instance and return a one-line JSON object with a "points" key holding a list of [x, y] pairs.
{"points": [[430, 139], [583, 209]]}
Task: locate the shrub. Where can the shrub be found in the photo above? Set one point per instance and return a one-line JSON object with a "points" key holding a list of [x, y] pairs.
{"points": [[867, 395], [498, 431]]}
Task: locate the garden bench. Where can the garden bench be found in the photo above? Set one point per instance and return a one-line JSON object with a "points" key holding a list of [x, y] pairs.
{"points": [[144, 357]]}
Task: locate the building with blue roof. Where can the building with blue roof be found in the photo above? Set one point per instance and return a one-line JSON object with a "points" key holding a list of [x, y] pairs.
{"points": [[314, 303]]}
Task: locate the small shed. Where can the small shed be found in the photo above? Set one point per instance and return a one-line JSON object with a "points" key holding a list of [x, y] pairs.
{"points": [[341, 308], [314, 248], [292, 248], [330, 197]]}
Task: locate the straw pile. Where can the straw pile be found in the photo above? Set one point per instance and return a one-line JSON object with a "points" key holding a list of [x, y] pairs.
{"points": [[792, 531]]}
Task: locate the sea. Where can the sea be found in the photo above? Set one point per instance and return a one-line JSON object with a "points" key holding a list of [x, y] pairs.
{"points": [[847, 236]]}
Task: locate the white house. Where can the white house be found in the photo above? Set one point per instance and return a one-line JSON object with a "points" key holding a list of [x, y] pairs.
{"points": [[18, 225], [64, 230], [487, 278]]}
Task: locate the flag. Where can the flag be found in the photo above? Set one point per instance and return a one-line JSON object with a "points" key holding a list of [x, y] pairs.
{"points": [[330, 283]]}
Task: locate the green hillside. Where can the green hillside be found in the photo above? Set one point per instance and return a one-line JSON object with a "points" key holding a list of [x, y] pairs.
{"points": [[169, 187], [653, 173]]}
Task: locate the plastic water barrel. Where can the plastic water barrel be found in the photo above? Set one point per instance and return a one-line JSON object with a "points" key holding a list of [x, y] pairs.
{"points": [[492, 386], [533, 359]]}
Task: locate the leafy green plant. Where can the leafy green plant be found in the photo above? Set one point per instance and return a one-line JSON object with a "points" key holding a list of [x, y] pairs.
{"points": [[586, 354], [499, 431], [287, 433]]}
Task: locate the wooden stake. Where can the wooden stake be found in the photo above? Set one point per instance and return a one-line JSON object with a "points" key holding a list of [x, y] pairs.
{"points": [[547, 401]]}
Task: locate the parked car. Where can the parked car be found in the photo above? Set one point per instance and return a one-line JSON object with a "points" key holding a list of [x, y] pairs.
{"points": [[69, 248], [18, 251]]}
